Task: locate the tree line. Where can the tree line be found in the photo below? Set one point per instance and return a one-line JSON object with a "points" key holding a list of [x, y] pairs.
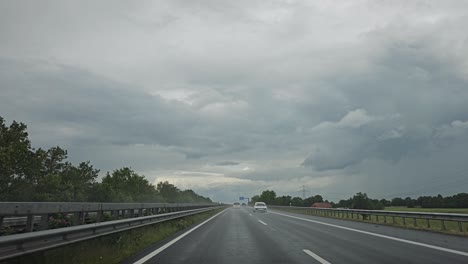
{"points": [[362, 201], [38, 175], [269, 197]]}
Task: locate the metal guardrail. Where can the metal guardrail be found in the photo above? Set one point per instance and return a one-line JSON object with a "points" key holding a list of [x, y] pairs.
{"points": [[367, 215], [26, 243], [42, 211]]}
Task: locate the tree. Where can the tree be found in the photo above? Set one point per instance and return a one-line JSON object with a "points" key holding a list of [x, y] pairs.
{"points": [[125, 185], [168, 191], [268, 197], [297, 201], [255, 198], [398, 202], [79, 181], [15, 156], [409, 202], [385, 202], [313, 199], [361, 201], [283, 200]]}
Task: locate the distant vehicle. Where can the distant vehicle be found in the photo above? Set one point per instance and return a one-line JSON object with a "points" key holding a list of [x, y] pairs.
{"points": [[244, 204], [260, 207], [236, 205]]}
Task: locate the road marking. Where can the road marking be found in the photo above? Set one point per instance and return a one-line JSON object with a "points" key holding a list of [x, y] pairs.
{"points": [[250, 214], [160, 249], [315, 256], [382, 236], [262, 222]]}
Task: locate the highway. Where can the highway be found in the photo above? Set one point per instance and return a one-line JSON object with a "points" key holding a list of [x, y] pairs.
{"points": [[241, 236]]}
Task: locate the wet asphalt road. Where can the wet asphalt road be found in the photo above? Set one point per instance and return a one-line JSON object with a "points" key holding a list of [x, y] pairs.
{"points": [[242, 236]]}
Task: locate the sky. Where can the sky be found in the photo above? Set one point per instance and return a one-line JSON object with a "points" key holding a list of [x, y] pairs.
{"points": [[230, 98]]}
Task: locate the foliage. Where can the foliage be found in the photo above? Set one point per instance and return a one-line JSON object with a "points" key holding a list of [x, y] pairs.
{"points": [[59, 220], [270, 198], [37, 175]]}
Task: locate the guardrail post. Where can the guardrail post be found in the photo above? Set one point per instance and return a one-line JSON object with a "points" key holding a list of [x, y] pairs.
{"points": [[460, 227], [1, 221], [98, 216], [415, 223], [78, 218], [44, 224], [393, 219], [385, 219], [115, 214], [30, 223], [404, 220], [140, 212], [428, 223], [442, 222]]}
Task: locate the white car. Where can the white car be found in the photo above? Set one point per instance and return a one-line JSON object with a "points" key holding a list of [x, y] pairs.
{"points": [[260, 207], [236, 205]]}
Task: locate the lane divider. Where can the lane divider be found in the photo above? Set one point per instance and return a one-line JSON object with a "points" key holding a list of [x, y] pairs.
{"points": [[170, 243], [453, 251], [262, 222], [315, 256]]}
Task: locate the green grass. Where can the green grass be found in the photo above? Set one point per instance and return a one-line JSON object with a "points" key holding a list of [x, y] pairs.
{"points": [[428, 210], [420, 224], [115, 247]]}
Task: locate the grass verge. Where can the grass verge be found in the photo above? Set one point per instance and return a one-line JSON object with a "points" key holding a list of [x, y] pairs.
{"points": [[115, 247], [451, 227]]}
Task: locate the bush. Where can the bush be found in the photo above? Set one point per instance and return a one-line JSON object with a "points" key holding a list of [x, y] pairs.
{"points": [[59, 220]]}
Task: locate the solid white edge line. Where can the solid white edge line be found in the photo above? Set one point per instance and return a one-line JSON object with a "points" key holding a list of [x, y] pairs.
{"points": [[315, 256], [382, 236], [168, 244], [262, 222]]}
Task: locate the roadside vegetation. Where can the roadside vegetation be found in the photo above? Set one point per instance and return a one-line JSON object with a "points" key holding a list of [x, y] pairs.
{"points": [[38, 175]]}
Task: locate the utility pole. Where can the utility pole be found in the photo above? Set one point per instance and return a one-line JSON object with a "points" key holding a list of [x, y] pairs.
{"points": [[304, 191]]}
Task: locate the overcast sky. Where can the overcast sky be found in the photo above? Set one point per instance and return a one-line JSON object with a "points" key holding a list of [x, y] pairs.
{"points": [[230, 98]]}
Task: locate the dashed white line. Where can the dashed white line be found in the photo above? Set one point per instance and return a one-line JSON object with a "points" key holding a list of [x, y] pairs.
{"points": [[160, 249], [315, 256], [382, 236], [262, 222], [250, 214]]}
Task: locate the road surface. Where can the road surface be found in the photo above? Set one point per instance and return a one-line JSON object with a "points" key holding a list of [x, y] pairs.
{"points": [[241, 236]]}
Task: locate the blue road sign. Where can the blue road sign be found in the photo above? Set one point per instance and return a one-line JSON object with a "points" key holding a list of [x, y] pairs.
{"points": [[241, 198]]}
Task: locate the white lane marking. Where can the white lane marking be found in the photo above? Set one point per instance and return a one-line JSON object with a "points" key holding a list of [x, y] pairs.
{"points": [[262, 222], [315, 256], [250, 214], [168, 244], [382, 236]]}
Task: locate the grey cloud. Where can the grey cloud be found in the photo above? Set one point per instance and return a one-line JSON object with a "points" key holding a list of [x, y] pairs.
{"points": [[227, 163], [347, 93]]}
